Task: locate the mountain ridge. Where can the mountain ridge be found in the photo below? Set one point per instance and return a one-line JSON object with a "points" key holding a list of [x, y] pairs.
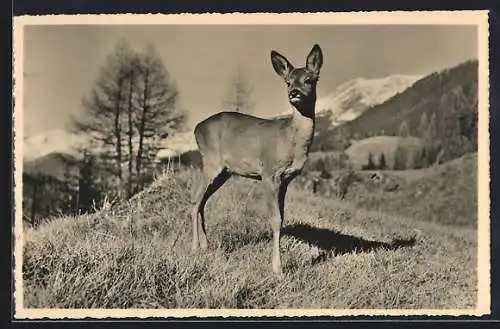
{"points": [[450, 96]]}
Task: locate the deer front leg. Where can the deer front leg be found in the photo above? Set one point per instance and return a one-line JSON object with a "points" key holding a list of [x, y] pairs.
{"points": [[276, 192], [295, 168], [276, 260]]}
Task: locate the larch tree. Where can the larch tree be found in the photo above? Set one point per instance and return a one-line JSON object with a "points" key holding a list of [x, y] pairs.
{"points": [[104, 111], [238, 97], [158, 115], [129, 111]]}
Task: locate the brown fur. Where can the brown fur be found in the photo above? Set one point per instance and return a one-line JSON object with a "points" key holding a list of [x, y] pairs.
{"points": [[271, 150]]}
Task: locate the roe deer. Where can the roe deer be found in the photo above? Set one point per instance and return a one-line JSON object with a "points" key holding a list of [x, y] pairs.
{"points": [[271, 150]]}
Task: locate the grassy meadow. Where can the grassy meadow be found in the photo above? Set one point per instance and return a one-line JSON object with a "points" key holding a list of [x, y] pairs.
{"points": [[445, 194], [336, 254]]}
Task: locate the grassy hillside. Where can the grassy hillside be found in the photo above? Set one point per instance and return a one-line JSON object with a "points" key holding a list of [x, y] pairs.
{"points": [[358, 152], [336, 255], [445, 194]]}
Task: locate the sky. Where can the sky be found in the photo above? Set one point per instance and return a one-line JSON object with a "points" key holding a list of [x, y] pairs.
{"points": [[61, 62]]}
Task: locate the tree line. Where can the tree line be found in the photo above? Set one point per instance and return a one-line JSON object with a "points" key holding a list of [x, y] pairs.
{"points": [[415, 156]]}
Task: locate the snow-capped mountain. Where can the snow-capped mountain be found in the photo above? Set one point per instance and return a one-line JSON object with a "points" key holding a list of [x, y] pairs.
{"points": [[57, 140], [344, 103], [350, 99]]}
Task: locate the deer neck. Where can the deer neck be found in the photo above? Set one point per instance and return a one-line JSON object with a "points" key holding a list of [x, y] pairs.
{"points": [[302, 127]]}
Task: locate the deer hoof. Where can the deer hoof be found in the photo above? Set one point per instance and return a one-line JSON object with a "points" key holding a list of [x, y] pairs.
{"points": [[279, 273], [203, 244]]}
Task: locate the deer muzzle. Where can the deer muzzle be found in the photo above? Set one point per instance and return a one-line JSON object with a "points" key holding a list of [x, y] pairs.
{"points": [[295, 96]]}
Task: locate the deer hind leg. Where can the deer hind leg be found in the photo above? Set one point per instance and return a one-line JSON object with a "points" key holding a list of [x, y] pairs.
{"points": [[276, 192], [211, 184]]}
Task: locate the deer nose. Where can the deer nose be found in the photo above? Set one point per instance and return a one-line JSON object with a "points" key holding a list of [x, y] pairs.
{"points": [[295, 93]]}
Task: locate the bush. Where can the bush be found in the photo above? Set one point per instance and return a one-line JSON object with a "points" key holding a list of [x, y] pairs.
{"points": [[381, 162], [370, 165], [400, 158]]}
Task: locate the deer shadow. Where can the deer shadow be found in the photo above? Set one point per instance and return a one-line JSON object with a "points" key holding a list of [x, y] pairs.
{"points": [[337, 243], [331, 242]]}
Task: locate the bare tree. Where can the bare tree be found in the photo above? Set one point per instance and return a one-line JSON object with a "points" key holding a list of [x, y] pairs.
{"points": [[131, 80], [239, 96], [158, 115], [104, 110], [130, 109]]}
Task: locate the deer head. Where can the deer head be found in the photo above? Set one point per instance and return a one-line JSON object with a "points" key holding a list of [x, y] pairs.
{"points": [[301, 82]]}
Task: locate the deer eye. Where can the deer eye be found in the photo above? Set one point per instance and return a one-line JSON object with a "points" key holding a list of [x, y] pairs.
{"points": [[308, 80]]}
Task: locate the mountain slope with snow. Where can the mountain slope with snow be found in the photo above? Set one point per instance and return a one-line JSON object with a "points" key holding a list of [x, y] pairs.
{"points": [[450, 96], [351, 99], [52, 141]]}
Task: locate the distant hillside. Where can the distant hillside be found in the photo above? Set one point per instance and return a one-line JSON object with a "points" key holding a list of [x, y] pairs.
{"points": [[49, 186], [450, 96], [56, 164], [446, 194], [60, 183], [358, 152]]}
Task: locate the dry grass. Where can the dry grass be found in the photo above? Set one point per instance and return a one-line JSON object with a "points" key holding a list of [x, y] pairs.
{"points": [[336, 255]]}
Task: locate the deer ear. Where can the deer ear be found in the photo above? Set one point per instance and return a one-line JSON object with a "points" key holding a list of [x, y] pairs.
{"points": [[280, 64], [315, 59]]}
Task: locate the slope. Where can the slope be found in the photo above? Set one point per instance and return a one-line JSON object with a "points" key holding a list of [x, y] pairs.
{"points": [[336, 255], [446, 194]]}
